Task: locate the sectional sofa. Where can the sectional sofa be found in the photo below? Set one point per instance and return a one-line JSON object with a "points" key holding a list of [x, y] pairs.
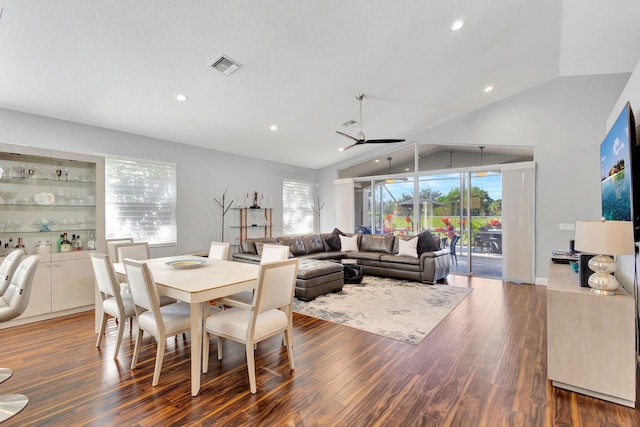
{"points": [[378, 255]]}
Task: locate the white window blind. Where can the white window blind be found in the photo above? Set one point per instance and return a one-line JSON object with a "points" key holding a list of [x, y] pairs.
{"points": [[140, 201], [297, 200]]}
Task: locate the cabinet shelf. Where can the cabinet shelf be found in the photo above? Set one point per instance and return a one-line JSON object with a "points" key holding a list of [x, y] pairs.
{"points": [[249, 216], [45, 181]]}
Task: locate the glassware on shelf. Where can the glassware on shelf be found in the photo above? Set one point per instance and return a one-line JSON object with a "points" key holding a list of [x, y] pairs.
{"points": [[8, 196], [44, 224]]}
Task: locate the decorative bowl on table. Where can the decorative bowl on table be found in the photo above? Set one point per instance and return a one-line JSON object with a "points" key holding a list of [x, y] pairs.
{"points": [[185, 263]]}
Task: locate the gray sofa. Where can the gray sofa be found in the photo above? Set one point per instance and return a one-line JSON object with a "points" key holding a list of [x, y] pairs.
{"points": [[377, 255]]}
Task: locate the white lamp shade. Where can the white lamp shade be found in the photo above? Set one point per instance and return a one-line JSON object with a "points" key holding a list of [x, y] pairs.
{"points": [[605, 237]]}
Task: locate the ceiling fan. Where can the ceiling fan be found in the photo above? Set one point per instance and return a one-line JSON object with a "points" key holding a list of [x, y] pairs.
{"points": [[360, 138]]}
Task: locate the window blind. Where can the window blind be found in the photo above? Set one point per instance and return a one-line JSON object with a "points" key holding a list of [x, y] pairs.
{"points": [[140, 201], [297, 200]]}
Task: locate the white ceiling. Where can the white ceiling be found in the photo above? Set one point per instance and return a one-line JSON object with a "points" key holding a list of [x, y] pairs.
{"points": [[119, 64]]}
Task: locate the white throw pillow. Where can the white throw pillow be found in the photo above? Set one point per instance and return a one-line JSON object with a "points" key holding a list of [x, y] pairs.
{"points": [[348, 244], [408, 247]]}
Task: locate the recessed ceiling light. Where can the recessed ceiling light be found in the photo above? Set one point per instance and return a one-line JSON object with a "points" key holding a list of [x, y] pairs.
{"points": [[181, 97], [376, 160], [274, 127], [457, 24], [407, 169], [488, 88], [341, 149]]}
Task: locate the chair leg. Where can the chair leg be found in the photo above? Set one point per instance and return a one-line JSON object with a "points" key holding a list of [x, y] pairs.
{"points": [[289, 334], [219, 348], [130, 324], [159, 359], [205, 351], [251, 368], [119, 339], [103, 327], [136, 350]]}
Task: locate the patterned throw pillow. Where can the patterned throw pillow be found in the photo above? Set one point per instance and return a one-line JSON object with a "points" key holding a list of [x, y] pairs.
{"points": [[426, 243]]}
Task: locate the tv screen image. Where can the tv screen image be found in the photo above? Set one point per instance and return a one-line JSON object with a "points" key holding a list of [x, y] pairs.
{"points": [[617, 153]]}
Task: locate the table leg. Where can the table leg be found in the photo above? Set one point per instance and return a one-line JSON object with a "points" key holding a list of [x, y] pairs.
{"points": [[196, 346]]}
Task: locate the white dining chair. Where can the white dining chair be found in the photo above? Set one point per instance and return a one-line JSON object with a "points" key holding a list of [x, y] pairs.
{"points": [[219, 250], [111, 247], [8, 267], [114, 304], [13, 303], [161, 322], [270, 313], [270, 253], [138, 251]]}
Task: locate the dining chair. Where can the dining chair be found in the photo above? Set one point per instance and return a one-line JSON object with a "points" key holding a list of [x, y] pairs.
{"points": [[269, 314], [160, 322], [219, 250], [270, 253], [8, 267], [111, 246], [452, 248], [13, 303], [138, 251], [114, 303]]}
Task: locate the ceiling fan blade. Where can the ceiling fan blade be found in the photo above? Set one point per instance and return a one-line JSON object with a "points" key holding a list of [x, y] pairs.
{"points": [[349, 136], [382, 141], [352, 145]]}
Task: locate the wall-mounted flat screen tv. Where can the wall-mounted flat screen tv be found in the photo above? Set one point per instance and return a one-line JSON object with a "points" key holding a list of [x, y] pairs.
{"points": [[618, 159]]}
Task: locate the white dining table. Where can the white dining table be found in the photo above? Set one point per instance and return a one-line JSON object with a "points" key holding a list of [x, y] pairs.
{"points": [[198, 286]]}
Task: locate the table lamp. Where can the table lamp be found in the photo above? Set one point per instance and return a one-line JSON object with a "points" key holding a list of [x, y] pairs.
{"points": [[604, 238]]}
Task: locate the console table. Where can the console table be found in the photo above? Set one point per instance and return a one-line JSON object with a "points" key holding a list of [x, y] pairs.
{"points": [[590, 339]]}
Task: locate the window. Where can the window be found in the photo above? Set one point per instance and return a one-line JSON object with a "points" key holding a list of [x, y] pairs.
{"points": [[297, 211], [140, 201]]}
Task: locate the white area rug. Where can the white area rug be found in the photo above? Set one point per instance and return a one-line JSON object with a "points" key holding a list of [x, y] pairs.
{"points": [[399, 309]]}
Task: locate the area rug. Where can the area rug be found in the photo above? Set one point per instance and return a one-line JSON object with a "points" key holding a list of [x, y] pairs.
{"points": [[399, 309]]}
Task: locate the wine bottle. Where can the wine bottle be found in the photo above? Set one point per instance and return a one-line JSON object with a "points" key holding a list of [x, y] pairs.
{"points": [[76, 243], [20, 245], [65, 245], [91, 243], [59, 242], [11, 246]]}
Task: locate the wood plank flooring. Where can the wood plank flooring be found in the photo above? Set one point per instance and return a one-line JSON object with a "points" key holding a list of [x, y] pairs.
{"points": [[484, 365]]}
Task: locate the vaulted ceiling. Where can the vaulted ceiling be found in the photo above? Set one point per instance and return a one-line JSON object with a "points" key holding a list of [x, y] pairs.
{"points": [[120, 64]]}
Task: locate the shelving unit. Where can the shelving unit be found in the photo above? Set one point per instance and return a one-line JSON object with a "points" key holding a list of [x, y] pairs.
{"points": [[590, 339], [254, 219], [43, 194]]}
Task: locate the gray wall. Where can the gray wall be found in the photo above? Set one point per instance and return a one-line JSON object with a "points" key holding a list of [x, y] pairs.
{"points": [[564, 120], [201, 174]]}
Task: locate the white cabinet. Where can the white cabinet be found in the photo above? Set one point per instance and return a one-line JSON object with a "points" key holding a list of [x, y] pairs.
{"points": [[590, 339], [43, 194]]}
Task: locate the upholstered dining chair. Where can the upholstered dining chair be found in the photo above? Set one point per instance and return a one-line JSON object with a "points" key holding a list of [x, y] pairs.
{"points": [[161, 322], [270, 253], [111, 247], [219, 250], [114, 304], [137, 251], [8, 267], [264, 318], [13, 303]]}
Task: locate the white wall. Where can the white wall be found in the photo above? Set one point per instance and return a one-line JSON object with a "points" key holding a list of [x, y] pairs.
{"points": [[564, 120], [201, 174]]}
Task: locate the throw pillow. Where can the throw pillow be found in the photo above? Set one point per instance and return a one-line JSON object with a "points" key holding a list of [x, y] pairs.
{"points": [[348, 244], [426, 243], [333, 240], [408, 247]]}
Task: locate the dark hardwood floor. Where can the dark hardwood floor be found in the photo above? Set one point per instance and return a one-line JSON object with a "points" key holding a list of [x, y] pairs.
{"points": [[484, 365]]}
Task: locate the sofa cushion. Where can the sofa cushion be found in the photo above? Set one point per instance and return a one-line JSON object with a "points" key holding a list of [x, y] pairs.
{"points": [[249, 245], [426, 243], [313, 243], [408, 247], [348, 243], [295, 243], [333, 240], [377, 243]]}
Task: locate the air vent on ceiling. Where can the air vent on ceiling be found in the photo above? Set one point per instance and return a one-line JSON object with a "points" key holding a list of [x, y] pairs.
{"points": [[349, 123], [225, 64]]}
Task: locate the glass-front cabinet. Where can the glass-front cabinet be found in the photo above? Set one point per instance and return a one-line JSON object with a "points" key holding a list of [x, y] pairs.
{"points": [[46, 196]]}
